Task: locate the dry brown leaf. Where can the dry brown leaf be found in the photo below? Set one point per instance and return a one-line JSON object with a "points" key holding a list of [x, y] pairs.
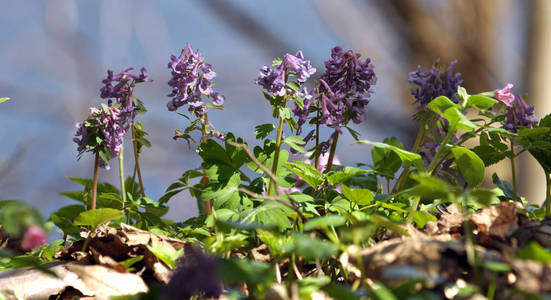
{"points": [[499, 220], [92, 281], [532, 276]]}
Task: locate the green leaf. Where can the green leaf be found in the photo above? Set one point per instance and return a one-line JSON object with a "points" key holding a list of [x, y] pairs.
{"points": [[483, 197], [96, 217], [421, 218], [543, 156], [235, 271], [4, 99], [504, 186], [285, 113], [293, 85], [533, 251], [337, 291], [359, 196], [337, 177], [386, 161], [532, 131], [263, 130], [440, 104], [406, 156], [489, 154], [429, 187], [480, 102], [307, 172], [469, 164], [168, 257], [458, 120], [324, 222], [295, 142], [311, 248]]}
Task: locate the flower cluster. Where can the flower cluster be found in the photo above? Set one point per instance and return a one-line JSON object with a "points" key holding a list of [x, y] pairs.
{"points": [[345, 88], [102, 130], [274, 80], [196, 275], [434, 83], [191, 79], [347, 76], [121, 88], [519, 114]]}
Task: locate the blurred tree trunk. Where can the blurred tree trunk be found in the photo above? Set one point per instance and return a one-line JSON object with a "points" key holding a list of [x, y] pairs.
{"points": [[539, 78]]}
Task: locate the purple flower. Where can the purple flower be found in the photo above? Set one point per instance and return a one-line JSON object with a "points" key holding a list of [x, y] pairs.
{"points": [[103, 130], [273, 80], [434, 83], [302, 113], [504, 95], [519, 114], [191, 79], [345, 88], [347, 76], [196, 275], [121, 88]]}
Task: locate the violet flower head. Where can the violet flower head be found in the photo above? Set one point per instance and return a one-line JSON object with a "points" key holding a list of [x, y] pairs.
{"points": [[434, 83], [196, 275], [103, 130], [345, 88], [120, 87], [347, 76], [519, 114], [191, 79], [504, 95], [274, 80]]}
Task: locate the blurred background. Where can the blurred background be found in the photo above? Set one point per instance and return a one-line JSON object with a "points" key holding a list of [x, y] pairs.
{"points": [[54, 54]]}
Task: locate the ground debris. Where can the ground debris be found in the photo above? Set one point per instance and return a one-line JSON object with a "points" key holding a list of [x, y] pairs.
{"points": [[72, 277]]}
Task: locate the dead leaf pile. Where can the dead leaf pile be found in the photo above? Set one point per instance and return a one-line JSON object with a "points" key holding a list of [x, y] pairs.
{"points": [[99, 271]]}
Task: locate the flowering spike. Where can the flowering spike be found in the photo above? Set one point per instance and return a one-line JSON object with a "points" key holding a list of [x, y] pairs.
{"points": [[434, 83], [191, 79]]}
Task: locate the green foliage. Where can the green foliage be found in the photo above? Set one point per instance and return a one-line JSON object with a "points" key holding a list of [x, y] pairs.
{"points": [[469, 164], [97, 217]]}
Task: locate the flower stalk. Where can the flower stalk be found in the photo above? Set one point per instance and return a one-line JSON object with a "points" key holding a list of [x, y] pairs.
{"points": [[95, 181], [273, 184], [513, 172], [121, 175], [548, 195], [332, 152], [137, 160]]}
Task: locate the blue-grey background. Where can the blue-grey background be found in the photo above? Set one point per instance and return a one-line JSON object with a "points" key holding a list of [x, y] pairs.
{"points": [[54, 54]]}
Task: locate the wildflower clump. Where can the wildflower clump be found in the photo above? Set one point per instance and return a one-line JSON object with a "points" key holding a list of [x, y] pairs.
{"points": [[191, 79]]}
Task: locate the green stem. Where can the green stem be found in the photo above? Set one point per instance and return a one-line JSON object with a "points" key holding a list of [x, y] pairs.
{"points": [[121, 174], [441, 150], [418, 140], [332, 152], [272, 185], [95, 181], [137, 160], [88, 240], [316, 149], [413, 209], [513, 172], [204, 209], [548, 195]]}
